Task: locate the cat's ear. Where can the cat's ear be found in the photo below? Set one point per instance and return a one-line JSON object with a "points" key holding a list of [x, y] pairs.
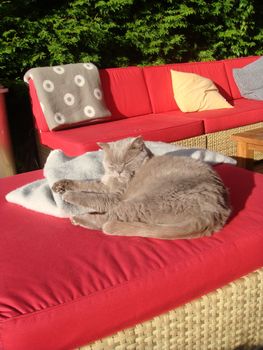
{"points": [[103, 145], [138, 143]]}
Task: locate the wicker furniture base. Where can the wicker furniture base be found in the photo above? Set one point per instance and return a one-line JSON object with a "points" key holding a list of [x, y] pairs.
{"points": [[221, 141], [193, 142], [228, 318]]}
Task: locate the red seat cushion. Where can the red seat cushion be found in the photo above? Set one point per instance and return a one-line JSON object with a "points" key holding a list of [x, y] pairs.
{"points": [[63, 286], [165, 127], [159, 83], [245, 112]]}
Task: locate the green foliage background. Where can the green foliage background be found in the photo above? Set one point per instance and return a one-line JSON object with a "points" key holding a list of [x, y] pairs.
{"points": [[125, 32]]}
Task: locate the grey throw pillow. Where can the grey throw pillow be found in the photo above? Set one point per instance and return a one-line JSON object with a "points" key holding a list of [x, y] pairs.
{"points": [[249, 80], [69, 94]]}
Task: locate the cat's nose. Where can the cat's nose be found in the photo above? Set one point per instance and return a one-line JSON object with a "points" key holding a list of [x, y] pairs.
{"points": [[119, 169]]}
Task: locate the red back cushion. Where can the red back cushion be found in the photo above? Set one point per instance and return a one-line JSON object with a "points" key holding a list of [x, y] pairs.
{"points": [[125, 92], [37, 109], [158, 80], [236, 63]]}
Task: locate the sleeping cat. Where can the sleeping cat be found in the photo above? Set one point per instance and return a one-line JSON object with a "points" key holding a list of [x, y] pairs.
{"points": [[168, 197]]}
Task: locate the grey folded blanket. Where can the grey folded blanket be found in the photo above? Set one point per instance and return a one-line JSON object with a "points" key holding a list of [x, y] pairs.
{"points": [[69, 94], [38, 196]]}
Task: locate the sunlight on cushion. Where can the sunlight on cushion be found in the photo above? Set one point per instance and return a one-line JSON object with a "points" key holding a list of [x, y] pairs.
{"points": [[193, 93]]}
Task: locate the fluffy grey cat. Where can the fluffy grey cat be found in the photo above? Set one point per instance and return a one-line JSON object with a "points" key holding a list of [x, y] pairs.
{"points": [[141, 194]]}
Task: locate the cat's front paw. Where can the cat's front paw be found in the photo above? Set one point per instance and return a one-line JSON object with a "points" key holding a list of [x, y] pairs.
{"points": [[109, 228], [70, 197], [62, 186], [74, 220], [78, 221]]}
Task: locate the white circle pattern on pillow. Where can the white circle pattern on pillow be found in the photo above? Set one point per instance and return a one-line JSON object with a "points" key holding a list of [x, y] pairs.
{"points": [[58, 69], [97, 93], [79, 80], [69, 99], [89, 111], [48, 85], [88, 65], [59, 118]]}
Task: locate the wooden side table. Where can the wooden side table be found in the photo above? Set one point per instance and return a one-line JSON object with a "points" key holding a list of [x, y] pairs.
{"points": [[247, 143]]}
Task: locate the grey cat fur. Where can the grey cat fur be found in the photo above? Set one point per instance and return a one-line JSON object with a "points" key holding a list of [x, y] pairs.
{"points": [[165, 197]]}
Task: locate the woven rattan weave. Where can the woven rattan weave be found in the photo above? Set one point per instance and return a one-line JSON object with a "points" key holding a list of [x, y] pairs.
{"points": [[228, 318], [221, 141], [193, 142]]}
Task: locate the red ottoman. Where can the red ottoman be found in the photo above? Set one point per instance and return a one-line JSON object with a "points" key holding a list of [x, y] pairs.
{"points": [[63, 286]]}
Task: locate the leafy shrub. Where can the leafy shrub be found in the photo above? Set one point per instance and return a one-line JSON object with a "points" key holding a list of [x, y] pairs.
{"points": [[125, 32]]}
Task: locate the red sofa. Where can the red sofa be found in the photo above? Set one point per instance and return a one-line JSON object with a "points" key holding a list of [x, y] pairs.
{"points": [[141, 102]]}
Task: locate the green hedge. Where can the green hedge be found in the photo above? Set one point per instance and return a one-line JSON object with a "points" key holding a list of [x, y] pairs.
{"points": [[125, 32]]}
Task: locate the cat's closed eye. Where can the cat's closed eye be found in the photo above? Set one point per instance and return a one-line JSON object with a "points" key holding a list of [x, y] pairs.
{"points": [[129, 161], [115, 167]]}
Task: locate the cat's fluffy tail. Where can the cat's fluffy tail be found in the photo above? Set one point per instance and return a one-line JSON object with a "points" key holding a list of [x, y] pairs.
{"points": [[181, 231]]}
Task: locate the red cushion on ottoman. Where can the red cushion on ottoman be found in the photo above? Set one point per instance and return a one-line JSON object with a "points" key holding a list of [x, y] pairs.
{"points": [[63, 286]]}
